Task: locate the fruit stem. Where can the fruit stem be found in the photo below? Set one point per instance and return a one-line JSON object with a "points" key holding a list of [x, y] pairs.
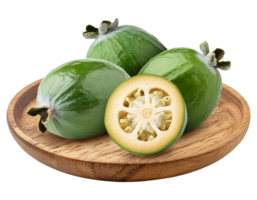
{"points": [[106, 26], [45, 114], [214, 57]]}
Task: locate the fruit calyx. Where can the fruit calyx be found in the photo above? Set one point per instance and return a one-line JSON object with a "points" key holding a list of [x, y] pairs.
{"points": [[45, 114], [214, 57], [148, 113], [93, 32]]}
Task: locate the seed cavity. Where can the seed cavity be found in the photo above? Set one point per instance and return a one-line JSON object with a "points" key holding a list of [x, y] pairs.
{"points": [[128, 122], [135, 101], [162, 120]]}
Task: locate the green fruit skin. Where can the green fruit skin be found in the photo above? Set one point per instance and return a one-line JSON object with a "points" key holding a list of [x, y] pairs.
{"points": [[127, 46], [199, 83], [78, 92], [179, 134]]}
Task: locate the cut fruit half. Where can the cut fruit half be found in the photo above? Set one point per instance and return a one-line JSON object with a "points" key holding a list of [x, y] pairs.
{"points": [[145, 115]]}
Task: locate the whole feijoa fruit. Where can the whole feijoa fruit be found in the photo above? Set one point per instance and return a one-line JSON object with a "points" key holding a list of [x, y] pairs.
{"points": [[71, 99], [145, 115], [127, 46], [196, 75]]}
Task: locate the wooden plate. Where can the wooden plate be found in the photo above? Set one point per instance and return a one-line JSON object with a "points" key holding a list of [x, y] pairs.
{"points": [[100, 158]]}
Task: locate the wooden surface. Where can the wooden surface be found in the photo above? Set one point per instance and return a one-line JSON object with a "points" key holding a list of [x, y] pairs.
{"points": [[100, 158]]}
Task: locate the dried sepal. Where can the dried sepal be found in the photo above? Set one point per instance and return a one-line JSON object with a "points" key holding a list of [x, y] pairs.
{"points": [[114, 25], [204, 46], [214, 57], [108, 23], [34, 111], [103, 29], [45, 114], [88, 35], [41, 127], [93, 32], [90, 32], [220, 53], [225, 65], [91, 28]]}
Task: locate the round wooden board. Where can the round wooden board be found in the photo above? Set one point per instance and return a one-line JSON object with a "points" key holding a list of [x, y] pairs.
{"points": [[100, 158]]}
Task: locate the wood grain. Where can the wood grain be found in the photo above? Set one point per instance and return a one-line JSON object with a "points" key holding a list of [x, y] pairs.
{"points": [[100, 158]]}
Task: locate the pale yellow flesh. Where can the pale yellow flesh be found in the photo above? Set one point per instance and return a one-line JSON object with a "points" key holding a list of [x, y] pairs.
{"points": [[115, 109], [152, 124]]}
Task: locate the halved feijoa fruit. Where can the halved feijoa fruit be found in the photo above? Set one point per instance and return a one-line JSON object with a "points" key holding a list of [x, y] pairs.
{"points": [[145, 115]]}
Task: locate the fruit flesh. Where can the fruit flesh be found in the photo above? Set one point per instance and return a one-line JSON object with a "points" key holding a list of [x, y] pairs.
{"points": [[148, 126], [127, 46], [162, 119], [78, 92], [199, 83]]}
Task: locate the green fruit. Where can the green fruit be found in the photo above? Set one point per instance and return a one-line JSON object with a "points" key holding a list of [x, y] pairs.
{"points": [[127, 46], [145, 115], [72, 98], [196, 75]]}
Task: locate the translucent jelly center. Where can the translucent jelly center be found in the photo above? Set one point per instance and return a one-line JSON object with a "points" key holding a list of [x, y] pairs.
{"points": [[148, 113]]}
